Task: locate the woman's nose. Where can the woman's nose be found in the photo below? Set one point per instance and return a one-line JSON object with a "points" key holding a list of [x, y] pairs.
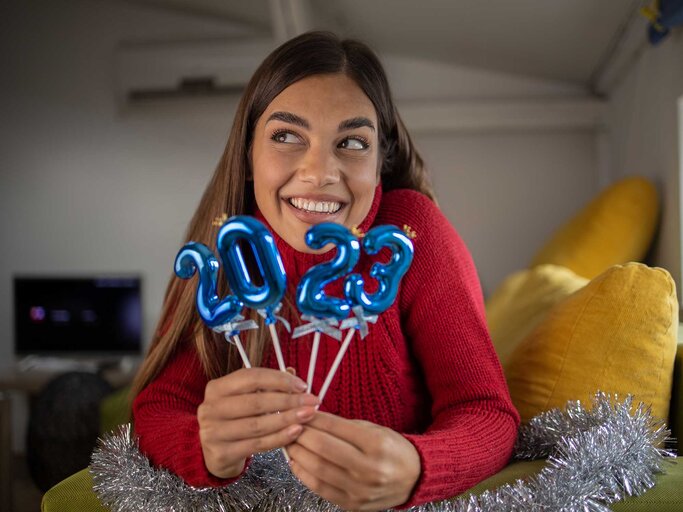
{"points": [[319, 167]]}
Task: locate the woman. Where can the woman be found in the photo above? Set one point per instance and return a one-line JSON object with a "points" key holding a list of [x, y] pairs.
{"points": [[419, 410]]}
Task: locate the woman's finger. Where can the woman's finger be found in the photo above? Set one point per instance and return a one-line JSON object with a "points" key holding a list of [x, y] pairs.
{"points": [[255, 404], [332, 448], [247, 447], [260, 426], [360, 434], [320, 487], [250, 380], [322, 468]]}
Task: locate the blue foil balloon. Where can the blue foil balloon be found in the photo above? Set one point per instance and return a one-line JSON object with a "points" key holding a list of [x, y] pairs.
{"points": [[269, 295], [195, 257], [310, 296], [387, 275]]}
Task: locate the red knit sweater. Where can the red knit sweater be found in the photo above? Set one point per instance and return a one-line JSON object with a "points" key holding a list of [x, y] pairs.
{"points": [[427, 369]]}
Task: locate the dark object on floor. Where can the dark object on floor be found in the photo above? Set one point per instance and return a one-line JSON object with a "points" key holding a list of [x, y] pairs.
{"points": [[63, 426]]}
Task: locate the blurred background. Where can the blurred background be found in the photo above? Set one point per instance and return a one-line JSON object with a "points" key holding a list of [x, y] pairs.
{"points": [[114, 114]]}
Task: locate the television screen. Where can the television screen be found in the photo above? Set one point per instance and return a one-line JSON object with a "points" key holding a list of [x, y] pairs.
{"points": [[77, 316]]}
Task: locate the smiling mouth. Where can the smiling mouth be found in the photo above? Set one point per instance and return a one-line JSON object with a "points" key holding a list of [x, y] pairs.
{"points": [[309, 206]]}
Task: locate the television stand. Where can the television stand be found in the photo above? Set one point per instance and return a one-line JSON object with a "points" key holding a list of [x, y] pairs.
{"points": [[30, 376], [26, 379], [55, 364]]}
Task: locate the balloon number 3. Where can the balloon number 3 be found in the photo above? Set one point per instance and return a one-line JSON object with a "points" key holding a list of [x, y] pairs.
{"points": [[387, 275]]}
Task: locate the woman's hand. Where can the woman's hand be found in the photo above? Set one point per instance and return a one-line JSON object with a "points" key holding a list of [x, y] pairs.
{"points": [[249, 411], [355, 464]]}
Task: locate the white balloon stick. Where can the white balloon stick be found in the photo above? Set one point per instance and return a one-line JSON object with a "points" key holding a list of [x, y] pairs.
{"points": [[281, 365], [240, 348], [314, 357], [247, 364], [276, 345], [336, 363]]}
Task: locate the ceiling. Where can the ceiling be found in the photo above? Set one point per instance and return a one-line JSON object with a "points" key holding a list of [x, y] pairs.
{"points": [[566, 40]]}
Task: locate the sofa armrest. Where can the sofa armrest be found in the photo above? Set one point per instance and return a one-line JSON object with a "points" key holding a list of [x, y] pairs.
{"points": [[73, 494], [665, 496]]}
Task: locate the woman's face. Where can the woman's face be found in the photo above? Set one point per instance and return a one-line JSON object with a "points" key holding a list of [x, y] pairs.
{"points": [[315, 157]]}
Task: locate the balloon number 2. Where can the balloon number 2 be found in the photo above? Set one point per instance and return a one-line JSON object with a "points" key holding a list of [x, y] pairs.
{"points": [[214, 312], [196, 256], [311, 298], [266, 298]]}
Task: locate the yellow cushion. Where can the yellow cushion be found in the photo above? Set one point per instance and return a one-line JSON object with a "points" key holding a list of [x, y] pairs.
{"points": [[617, 334], [521, 302], [616, 227]]}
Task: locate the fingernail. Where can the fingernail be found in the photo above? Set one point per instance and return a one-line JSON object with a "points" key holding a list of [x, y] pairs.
{"points": [[308, 399], [305, 414], [294, 430], [300, 385]]}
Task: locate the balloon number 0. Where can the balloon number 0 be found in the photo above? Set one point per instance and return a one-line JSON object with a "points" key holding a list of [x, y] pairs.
{"points": [[310, 296], [195, 257], [267, 296]]}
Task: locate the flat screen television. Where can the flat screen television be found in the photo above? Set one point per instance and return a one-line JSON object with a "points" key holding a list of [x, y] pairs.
{"points": [[77, 316]]}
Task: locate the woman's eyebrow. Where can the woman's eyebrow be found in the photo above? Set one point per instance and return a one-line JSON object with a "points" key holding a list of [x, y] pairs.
{"points": [[290, 118], [356, 122], [348, 124]]}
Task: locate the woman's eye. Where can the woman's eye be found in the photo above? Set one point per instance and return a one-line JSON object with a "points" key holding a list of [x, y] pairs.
{"points": [[285, 137], [353, 143]]}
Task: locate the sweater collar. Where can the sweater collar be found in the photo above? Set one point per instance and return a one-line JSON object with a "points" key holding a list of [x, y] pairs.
{"points": [[298, 262]]}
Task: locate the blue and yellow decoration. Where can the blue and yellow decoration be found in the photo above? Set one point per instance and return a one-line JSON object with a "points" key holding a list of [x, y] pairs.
{"points": [[663, 15]]}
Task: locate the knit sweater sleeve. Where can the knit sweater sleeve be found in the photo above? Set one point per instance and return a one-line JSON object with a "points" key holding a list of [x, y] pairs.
{"points": [[165, 418], [473, 422]]}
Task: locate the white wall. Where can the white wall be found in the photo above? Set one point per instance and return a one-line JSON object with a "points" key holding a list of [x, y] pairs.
{"points": [[644, 136], [86, 187], [507, 192], [504, 189]]}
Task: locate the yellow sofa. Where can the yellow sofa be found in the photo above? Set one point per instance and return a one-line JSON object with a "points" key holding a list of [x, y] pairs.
{"points": [[76, 494], [543, 324]]}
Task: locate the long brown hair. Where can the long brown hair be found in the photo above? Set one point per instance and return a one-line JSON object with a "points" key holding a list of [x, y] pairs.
{"points": [[229, 192]]}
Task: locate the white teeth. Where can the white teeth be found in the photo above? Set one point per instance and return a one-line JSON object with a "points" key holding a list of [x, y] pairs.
{"points": [[315, 206]]}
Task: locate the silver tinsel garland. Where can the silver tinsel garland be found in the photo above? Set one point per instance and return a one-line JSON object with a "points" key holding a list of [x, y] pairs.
{"points": [[596, 456]]}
